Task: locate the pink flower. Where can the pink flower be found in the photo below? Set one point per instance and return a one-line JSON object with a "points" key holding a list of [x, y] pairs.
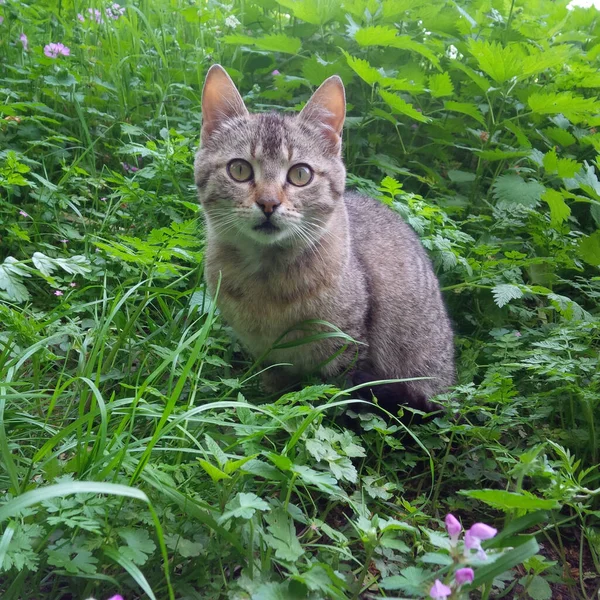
{"points": [[103, 199], [58, 293], [483, 531], [23, 213], [275, 72], [129, 168], [439, 591], [117, 597], [115, 11], [80, 18], [53, 50], [465, 575], [517, 334], [72, 284], [24, 41], [453, 526], [64, 241], [474, 537]]}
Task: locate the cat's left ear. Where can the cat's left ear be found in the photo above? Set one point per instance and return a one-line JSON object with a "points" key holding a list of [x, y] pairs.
{"points": [[327, 108]]}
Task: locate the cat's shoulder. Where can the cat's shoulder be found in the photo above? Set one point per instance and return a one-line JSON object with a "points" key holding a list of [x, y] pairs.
{"points": [[361, 207]]}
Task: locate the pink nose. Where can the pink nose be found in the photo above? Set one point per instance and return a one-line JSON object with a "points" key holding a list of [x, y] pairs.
{"points": [[268, 205]]}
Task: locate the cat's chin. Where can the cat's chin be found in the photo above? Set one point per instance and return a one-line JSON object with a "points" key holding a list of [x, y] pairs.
{"points": [[267, 233]]}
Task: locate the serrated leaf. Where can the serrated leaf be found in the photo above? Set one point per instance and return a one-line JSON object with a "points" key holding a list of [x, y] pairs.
{"points": [[589, 249], [317, 12], [513, 189], [498, 154], [441, 85], [400, 106], [559, 210], [282, 536], [507, 501], [505, 292], [466, 109], [567, 167], [381, 35], [575, 108], [560, 136], [363, 69], [550, 161], [275, 42], [501, 63], [139, 545]]}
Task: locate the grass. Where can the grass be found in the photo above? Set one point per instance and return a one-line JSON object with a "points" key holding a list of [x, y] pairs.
{"points": [[139, 454]]}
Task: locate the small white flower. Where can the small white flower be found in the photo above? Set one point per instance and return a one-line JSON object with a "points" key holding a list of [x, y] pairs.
{"points": [[232, 22]]}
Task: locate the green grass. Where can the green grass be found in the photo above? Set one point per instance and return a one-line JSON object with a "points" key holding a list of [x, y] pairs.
{"points": [[138, 453]]}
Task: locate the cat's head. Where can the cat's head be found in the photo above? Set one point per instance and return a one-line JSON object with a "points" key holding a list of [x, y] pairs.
{"points": [[269, 178]]}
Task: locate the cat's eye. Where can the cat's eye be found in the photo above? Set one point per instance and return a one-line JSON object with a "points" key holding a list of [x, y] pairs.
{"points": [[240, 170], [300, 175]]}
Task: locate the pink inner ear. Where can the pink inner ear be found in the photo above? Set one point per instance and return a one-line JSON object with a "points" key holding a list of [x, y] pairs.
{"points": [[327, 106], [220, 100]]}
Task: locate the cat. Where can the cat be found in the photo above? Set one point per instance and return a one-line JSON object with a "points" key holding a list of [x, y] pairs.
{"points": [[286, 243]]}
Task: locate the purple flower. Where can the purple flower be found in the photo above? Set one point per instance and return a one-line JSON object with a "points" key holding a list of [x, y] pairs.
{"points": [[129, 168], [80, 18], [117, 597], [465, 575], [72, 284], [474, 537], [275, 72], [65, 241], [517, 334], [23, 213], [95, 15], [24, 41], [103, 199], [453, 526], [439, 591], [58, 293], [53, 50], [483, 531]]}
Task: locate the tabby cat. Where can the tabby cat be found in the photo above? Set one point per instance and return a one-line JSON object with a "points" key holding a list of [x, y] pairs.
{"points": [[288, 244]]}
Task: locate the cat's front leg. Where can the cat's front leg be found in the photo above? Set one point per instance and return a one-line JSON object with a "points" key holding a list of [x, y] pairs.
{"points": [[278, 380]]}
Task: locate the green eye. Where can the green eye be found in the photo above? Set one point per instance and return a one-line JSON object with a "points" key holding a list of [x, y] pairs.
{"points": [[300, 175], [240, 170]]}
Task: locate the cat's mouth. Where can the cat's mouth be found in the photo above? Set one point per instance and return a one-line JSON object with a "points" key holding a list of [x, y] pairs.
{"points": [[266, 227]]}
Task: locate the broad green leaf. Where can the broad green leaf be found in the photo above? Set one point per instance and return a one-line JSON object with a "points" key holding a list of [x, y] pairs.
{"points": [[381, 35], [400, 106], [538, 588], [441, 85], [317, 12], [500, 63], [10, 280], [559, 210], [507, 501], [363, 69], [139, 545], [513, 189], [479, 80], [589, 248], [243, 506], [518, 133], [272, 591], [562, 137], [505, 292], [551, 161], [466, 109], [214, 472], [410, 581], [282, 536], [275, 42], [575, 108], [567, 167]]}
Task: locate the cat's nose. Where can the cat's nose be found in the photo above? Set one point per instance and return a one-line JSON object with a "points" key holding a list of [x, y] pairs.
{"points": [[268, 205]]}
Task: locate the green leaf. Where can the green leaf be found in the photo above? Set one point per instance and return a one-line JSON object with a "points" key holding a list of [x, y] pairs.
{"points": [[243, 506], [538, 588], [410, 581], [589, 249], [560, 136], [139, 545], [513, 189], [272, 591], [10, 280], [282, 536], [381, 35], [508, 501], [275, 42], [466, 109], [214, 472], [497, 154], [505, 292], [507, 561], [559, 210], [400, 106], [441, 85], [500, 63], [363, 69], [317, 12], [575, 108]]}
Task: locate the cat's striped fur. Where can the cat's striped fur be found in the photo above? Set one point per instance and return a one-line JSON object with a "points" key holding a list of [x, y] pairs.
{"points": [[329, 254]]}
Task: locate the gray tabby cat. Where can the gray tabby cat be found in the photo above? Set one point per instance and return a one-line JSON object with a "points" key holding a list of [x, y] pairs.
{"points": [[290, 244]]}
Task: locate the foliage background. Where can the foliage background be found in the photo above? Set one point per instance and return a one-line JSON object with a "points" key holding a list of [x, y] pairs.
{"points": [[475, 120]]}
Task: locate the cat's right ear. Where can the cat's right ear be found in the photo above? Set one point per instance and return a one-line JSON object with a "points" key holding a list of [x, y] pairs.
{"points": [[220, 101]]}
